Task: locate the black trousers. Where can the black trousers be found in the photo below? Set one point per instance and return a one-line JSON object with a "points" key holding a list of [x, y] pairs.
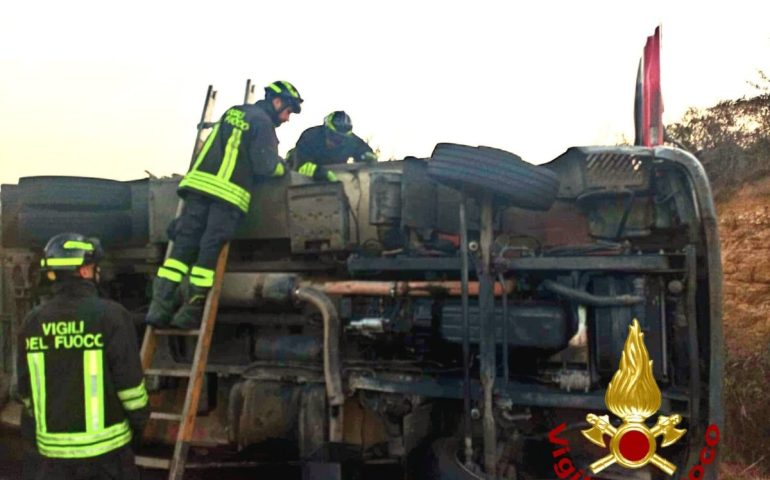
{"points": [[115, 465], [203, 228]]}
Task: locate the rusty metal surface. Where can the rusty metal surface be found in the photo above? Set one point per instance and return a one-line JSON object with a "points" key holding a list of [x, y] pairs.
{"points": [[318, 217], [385, 198], [261, 410]]}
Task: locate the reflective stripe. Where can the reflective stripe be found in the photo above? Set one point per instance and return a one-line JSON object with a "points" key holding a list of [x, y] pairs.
{"points": [[290, 88], [83, 445], [279, 170], [78, 245], [230, 157], [83, 438], [134, 398], [202, 282], [93, 390], [176, 265], [213, 185], [202, 277], [36, 365], [206, 146], [308, 169], [172, 275], [331, 176], [61, 262], [96, 440]]}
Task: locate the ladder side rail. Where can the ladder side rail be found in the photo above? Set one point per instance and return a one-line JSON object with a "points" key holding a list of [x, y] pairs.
{"points": [[149, 342], [200, 359]]}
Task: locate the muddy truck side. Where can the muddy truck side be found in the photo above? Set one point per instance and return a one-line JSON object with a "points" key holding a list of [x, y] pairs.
{"points": [[351, 313]]}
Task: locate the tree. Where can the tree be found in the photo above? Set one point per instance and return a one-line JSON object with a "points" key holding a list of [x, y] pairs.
{"points": [[732, 138]]}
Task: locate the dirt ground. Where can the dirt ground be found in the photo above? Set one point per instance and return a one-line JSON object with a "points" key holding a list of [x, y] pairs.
{"points": [[744, 224]]}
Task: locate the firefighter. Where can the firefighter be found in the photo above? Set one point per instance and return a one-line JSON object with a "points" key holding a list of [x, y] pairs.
{"points": [[79, 372], [327, 144], [241, 148]]}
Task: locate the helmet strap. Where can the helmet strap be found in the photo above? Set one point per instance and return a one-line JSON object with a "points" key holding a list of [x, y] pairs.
{"points": [[277, 105]]}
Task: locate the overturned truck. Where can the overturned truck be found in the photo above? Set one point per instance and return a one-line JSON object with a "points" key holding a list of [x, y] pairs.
{"points": [[457, 316]]}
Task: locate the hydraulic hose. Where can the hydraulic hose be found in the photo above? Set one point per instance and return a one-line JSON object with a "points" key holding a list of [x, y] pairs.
{"points": [[589, 298]]}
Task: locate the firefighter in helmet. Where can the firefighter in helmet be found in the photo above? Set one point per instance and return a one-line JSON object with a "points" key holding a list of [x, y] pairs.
{"points": [[241, 149], [78, 370], [331, 143]]}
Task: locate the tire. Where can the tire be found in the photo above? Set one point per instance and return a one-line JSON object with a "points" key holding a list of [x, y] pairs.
{"points": [[36, 226], [70, 193], [485, 169]]}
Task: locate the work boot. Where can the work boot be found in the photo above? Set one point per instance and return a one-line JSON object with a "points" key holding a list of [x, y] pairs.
{"points": [[190, 313], [165, 300]]}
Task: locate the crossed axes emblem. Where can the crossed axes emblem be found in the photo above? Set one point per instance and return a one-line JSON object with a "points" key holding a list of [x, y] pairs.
{"points": [[632, 445]]}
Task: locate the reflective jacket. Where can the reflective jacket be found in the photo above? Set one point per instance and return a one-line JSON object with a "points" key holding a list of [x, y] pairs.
{"points": [[79, 373], [312, 154], [241, 147]]}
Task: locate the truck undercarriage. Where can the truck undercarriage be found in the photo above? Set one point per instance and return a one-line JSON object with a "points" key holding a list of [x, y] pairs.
{"points": [[352, 312]]}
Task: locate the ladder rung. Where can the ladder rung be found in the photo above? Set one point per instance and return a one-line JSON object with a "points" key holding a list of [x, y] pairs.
{"points": [[172, 417], [168, 372], [177, 332], [152, 462]]}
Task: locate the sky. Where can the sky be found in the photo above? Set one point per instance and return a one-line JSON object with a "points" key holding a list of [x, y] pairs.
{"points": [[114, 89]]}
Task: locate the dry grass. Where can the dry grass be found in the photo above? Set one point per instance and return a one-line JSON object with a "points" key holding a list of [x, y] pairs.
{"points": [[735, 471]]}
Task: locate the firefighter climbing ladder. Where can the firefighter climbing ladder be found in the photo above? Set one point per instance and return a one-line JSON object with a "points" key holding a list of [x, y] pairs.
{"points": [[204, 333], [194, 375]]}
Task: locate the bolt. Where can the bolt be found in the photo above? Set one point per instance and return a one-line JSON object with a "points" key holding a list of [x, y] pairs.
{"points": [[475, 413], [473, 246], [675, 287]]}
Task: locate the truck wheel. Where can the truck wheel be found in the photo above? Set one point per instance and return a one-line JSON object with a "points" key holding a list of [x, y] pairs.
{"points": [[486, 169], [36, 226], [74, 193]]}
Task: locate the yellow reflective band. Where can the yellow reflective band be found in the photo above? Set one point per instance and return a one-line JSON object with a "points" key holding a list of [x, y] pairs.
{"points": [[202, 272], [84, 444], [308, 169], [176, 265], [206, 146], [202, 282], [93, 384], [76, 438], [202, 277], [279, 170], [213, 185], [172, 275], [331, 176], [290, 88], [134, 398], [230, 156], [78, 245], [275, 88], [36, 366], [328, 122], [63, 262]]}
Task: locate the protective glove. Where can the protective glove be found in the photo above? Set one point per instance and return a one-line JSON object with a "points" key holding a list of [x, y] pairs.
{"points": [[308, 169], [280, 169]]}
